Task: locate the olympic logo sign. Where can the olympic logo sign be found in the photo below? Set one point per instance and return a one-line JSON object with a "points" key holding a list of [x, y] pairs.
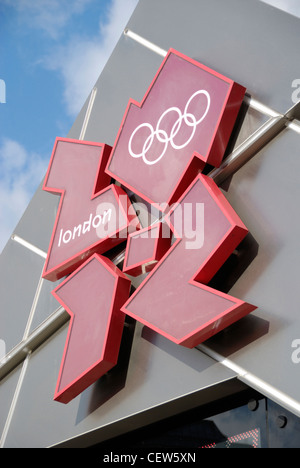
{"points": [[174, 299], [162, 136]]}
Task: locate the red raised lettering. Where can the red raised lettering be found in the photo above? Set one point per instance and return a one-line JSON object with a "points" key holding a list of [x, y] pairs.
{"points": [[93, 216], [92, 296]]}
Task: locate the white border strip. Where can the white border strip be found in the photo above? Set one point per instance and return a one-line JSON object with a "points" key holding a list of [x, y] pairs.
{"points": [[144, 42], [255, 382], [294, 126], [14, 402], [33, 309], [88, 113], [29, 246]]}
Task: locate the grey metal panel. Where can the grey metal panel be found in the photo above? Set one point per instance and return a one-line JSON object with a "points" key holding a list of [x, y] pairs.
{"points": [[37, 222], [246, 40], [20, 271], [266, 193], [250, 121], [7, 390], [134, 394], [46, 304]]}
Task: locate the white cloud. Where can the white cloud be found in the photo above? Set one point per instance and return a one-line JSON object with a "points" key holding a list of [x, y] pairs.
{"points": [[49, 16], [21, 173], [78, 64], [81, 61]]}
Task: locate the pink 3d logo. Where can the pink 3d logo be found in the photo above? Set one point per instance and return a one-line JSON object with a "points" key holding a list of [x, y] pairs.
{"points": [[184, 122]]}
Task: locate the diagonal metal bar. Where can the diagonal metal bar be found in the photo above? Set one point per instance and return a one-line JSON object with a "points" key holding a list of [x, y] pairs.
{"points": [[252, 145], [18, 354]]}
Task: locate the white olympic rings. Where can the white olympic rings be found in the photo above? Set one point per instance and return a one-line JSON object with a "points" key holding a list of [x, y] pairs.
{"points": [[162, 136]]}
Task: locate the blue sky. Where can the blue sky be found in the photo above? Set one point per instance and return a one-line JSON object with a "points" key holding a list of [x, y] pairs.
{"points": [[51, 54]]}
